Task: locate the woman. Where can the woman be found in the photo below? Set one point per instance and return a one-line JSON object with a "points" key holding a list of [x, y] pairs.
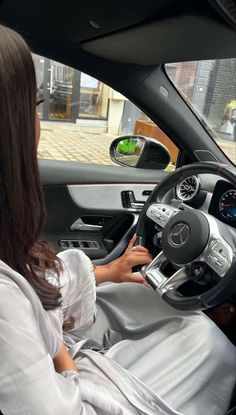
{"points": [[40, 292]]}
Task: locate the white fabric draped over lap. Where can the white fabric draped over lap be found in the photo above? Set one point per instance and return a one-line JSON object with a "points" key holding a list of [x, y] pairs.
{"points": [[135, 354], [29, 338]]}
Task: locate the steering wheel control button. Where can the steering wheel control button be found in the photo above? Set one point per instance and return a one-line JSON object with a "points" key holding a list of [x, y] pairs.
{"points": [[213, 259], [161, 213], [219, 248], [185, 236], [219, 257]]}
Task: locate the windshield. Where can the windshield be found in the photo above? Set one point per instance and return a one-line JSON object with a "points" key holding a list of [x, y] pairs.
{"points": [[210, 89]]}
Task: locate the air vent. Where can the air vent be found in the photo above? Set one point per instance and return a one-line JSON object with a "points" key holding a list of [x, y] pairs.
{"points": [[188, 188]]}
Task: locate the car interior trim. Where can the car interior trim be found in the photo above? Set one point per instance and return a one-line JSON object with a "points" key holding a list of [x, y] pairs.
{"points": [[125, 46], [109, 196]]}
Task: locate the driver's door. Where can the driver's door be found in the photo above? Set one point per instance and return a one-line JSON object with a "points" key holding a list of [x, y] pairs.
{"points": [[88, 205]]}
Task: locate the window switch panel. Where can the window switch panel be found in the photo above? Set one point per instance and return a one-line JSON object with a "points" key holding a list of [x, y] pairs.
{"points": [[77, 243]]}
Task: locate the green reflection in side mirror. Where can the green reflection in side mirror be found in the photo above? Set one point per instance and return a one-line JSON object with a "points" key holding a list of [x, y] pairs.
{"points": [[128, 150]]}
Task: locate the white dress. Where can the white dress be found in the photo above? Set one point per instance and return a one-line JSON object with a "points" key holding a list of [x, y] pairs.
{"points": [[135, 355]]}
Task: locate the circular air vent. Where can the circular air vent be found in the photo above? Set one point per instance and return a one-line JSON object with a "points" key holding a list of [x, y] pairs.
{"points": [[188, 188]]}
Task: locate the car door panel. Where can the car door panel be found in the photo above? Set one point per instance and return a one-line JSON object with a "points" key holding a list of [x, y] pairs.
{"points": [[69, 172], [86, 211]]}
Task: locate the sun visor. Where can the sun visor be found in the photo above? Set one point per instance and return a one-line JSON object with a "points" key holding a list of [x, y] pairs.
{"points": [[175, 39]]}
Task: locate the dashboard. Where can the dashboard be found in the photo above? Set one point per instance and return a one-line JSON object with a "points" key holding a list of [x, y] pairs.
{"points": [[219, 201]]}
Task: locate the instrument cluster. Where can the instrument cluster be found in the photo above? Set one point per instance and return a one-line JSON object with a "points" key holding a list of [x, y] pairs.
{"points": [[223, 203]]}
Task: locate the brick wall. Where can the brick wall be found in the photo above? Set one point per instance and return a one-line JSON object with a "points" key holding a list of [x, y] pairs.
{"points": [[185, 77]]}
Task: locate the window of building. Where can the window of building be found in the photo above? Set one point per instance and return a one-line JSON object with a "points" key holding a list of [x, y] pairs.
{"points": [[69, 94], [94, 97]]}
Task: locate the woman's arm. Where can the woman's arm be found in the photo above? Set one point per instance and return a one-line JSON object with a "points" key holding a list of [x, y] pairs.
{"points": [[28, 380], [63, 362], [120, 270]]}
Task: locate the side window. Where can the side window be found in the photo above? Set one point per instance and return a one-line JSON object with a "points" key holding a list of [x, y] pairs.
{"points": [[209, 88], [81, 116]]}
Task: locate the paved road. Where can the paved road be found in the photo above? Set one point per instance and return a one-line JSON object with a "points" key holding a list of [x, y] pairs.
{"points": [[61, 141]]}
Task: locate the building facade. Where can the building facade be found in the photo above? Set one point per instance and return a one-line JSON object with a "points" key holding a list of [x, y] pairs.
{"points": [[72, 96]]}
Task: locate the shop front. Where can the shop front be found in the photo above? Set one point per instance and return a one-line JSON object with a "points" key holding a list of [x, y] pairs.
{"points": [[69, 95]]}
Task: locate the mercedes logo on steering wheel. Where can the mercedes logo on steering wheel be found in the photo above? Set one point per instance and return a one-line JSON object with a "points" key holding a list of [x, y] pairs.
{"points": [[179, 234]]}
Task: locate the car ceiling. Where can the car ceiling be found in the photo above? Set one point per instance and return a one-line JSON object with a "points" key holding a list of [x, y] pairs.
{"points": [[129, 32]]}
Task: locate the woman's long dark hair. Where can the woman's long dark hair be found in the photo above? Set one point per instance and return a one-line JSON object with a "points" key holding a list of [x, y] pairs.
{"points": [[22, 212]]}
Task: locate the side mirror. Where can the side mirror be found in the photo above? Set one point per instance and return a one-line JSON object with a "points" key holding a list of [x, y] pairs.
{"points": [[140, 152]]}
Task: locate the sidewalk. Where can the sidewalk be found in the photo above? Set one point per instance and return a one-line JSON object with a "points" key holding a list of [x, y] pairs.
{"points": [[229, 148], [64, 141]]}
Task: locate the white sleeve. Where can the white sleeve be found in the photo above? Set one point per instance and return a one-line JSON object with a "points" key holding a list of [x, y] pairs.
{"points": [[78, 288], [29, 384]]}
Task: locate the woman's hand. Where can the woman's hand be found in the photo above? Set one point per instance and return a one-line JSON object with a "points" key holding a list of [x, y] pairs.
{"points": [[120, 270], [63, 361]]}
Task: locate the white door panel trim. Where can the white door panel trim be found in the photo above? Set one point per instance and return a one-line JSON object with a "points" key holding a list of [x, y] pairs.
{"points": [[106, 196]]}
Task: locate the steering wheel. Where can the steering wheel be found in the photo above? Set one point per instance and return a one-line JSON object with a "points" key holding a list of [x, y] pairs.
{"points": [[189, 236]]}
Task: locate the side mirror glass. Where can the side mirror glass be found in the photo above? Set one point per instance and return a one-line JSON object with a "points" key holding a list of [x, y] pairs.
{"points": [[138, 151], [128, 150]]}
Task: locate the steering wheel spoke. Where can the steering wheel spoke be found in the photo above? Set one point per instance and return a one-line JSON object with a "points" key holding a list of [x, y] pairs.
{"points": [[158, 280], [161, 213]]}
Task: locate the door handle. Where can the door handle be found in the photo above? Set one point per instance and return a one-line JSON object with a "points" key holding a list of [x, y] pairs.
{"points": [[136, 205], [79, 225], [129, 201]]}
